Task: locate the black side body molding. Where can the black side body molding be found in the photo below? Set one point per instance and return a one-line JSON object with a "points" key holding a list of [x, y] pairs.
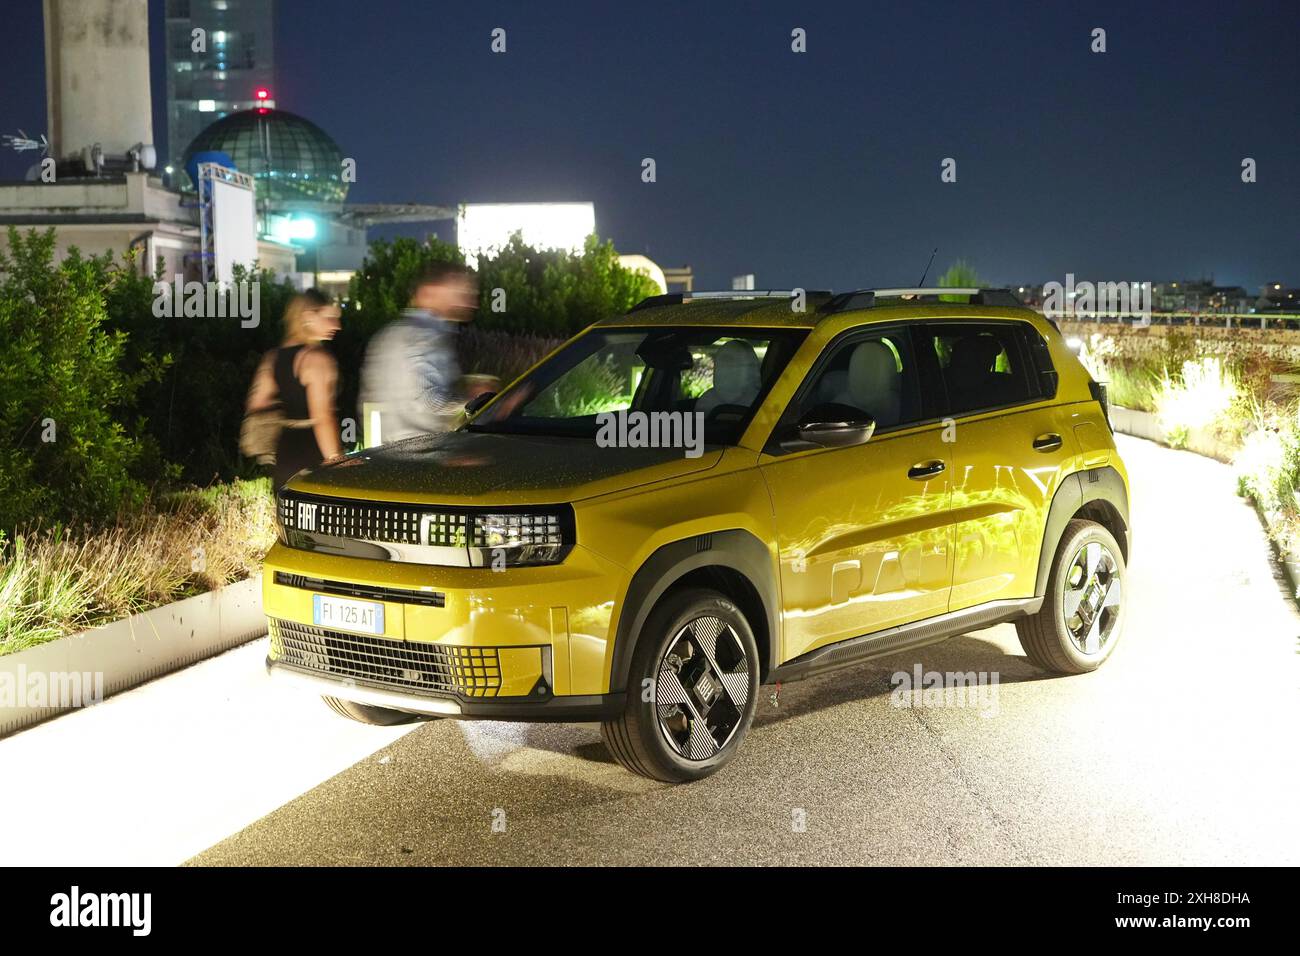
{"points": [[932, 630]]}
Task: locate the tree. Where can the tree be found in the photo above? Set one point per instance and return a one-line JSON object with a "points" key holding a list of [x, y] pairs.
{"points": [[960, 275], [381, 288], [523, 291], [555, 293], [530, 296]]}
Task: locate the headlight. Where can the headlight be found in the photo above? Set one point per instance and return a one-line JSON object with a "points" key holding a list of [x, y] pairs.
{"points": [[516, 538]]}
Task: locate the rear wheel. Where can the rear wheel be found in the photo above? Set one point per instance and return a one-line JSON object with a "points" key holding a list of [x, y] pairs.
{"points": [[368, 713], [1082, 615], [692, 688]]}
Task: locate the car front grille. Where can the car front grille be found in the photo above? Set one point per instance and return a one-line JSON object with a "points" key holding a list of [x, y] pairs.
{"points": [[387, 522], [406, 665]]}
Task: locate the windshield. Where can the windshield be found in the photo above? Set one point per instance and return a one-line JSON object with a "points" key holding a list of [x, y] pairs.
{"points": [[723, 374]]}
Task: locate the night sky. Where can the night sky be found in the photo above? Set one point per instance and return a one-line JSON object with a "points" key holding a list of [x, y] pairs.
{"points": [[818, 169]]}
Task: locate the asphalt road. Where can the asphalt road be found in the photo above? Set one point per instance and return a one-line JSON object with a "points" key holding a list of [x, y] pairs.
{"points": [[1181, 750]]}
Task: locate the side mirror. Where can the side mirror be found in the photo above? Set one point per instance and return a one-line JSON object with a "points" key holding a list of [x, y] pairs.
{"points": [[478, 401], [835, 426]]}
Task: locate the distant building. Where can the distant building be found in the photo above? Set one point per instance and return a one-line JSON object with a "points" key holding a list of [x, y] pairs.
{"points": [[293, 160], [238, 58], [117, 213], [1232, 299], [682, 277], [1199, 296], [301, 190], [1278, 297], [107, 196]]}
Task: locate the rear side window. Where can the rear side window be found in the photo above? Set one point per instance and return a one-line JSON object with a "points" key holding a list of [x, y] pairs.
{"points": [[985, 365], [1040, 360]]}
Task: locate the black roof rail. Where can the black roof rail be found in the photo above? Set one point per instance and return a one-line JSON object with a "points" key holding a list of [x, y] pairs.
{"points": [[866, 298], [677, 298]]}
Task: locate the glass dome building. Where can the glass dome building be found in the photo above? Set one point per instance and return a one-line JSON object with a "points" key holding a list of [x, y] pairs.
{"points": [[292, 159]]}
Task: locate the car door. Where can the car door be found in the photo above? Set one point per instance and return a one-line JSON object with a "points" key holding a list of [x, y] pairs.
{"points": [[1009, 445], [863, 531]]}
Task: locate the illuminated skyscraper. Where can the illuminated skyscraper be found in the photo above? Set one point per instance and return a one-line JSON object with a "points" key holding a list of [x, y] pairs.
{"points": [[216, 72]]}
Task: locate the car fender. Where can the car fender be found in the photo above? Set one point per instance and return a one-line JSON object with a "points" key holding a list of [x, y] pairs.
{"points": [[735, 549], [1077, 490]]}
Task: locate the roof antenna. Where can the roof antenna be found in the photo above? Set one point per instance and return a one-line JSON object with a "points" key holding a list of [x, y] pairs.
{"points": [[921, 284]]}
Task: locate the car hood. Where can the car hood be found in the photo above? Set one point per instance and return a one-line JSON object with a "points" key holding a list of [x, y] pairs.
{"points": [[464, 467]]}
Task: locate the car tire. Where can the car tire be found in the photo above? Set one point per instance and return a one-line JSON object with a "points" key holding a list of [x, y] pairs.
{"points": [[691, 691], [1082, 617], [368, 713]]}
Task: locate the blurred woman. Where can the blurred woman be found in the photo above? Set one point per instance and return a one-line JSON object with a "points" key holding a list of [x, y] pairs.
{"points": [[301, 377]]}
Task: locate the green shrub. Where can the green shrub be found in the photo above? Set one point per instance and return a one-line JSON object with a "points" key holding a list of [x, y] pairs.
{"points": [[1198, 399], [1132, 388], [493, 352], [1268, 471], [556, 294], [548, 297], [67, 391], [547, 293], [382, 286], [193, 409]]}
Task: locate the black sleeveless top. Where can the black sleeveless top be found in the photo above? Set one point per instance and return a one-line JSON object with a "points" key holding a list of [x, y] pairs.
{"points": [[297, 448]]}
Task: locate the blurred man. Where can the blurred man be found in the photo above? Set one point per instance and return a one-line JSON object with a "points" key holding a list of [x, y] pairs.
{"points": [[411, 367]]}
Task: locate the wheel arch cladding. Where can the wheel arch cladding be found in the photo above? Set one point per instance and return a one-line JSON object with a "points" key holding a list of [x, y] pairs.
{"points": [[1097, 494], [735, 563]]}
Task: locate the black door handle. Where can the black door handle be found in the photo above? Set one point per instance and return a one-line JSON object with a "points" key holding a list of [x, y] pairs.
{"points": [[1048, 442], [925, 469]]}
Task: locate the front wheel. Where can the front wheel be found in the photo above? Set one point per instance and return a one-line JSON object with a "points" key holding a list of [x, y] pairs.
{"points": [[1082, 615], [692, 689]]}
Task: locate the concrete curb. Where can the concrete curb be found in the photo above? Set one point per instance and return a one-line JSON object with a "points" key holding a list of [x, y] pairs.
{"points": [[114, 657], [1146, 425], [1139, 424], [1291, 567]]}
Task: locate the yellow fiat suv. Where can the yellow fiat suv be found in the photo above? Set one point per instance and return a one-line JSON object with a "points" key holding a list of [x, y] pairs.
{"points": [[707, 494]]}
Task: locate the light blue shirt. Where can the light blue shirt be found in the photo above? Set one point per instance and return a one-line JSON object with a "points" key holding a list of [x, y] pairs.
{"points": [[411, 369]]}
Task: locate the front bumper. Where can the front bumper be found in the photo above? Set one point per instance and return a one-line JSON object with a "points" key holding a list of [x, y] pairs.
{"points": [[451, 641], [571, 709]]}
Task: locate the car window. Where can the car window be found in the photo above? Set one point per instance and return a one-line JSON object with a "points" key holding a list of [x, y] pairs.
{"points": [[602, 381], [983, 364], [721, 374], [873, 374], [1042, 371]]}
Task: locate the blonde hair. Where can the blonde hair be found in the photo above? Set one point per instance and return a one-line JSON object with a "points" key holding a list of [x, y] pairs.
{"points": [[296, 311]]}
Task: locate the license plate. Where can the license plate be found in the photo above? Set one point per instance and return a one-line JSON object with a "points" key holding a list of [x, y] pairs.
{"points": [[342, 614]]}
